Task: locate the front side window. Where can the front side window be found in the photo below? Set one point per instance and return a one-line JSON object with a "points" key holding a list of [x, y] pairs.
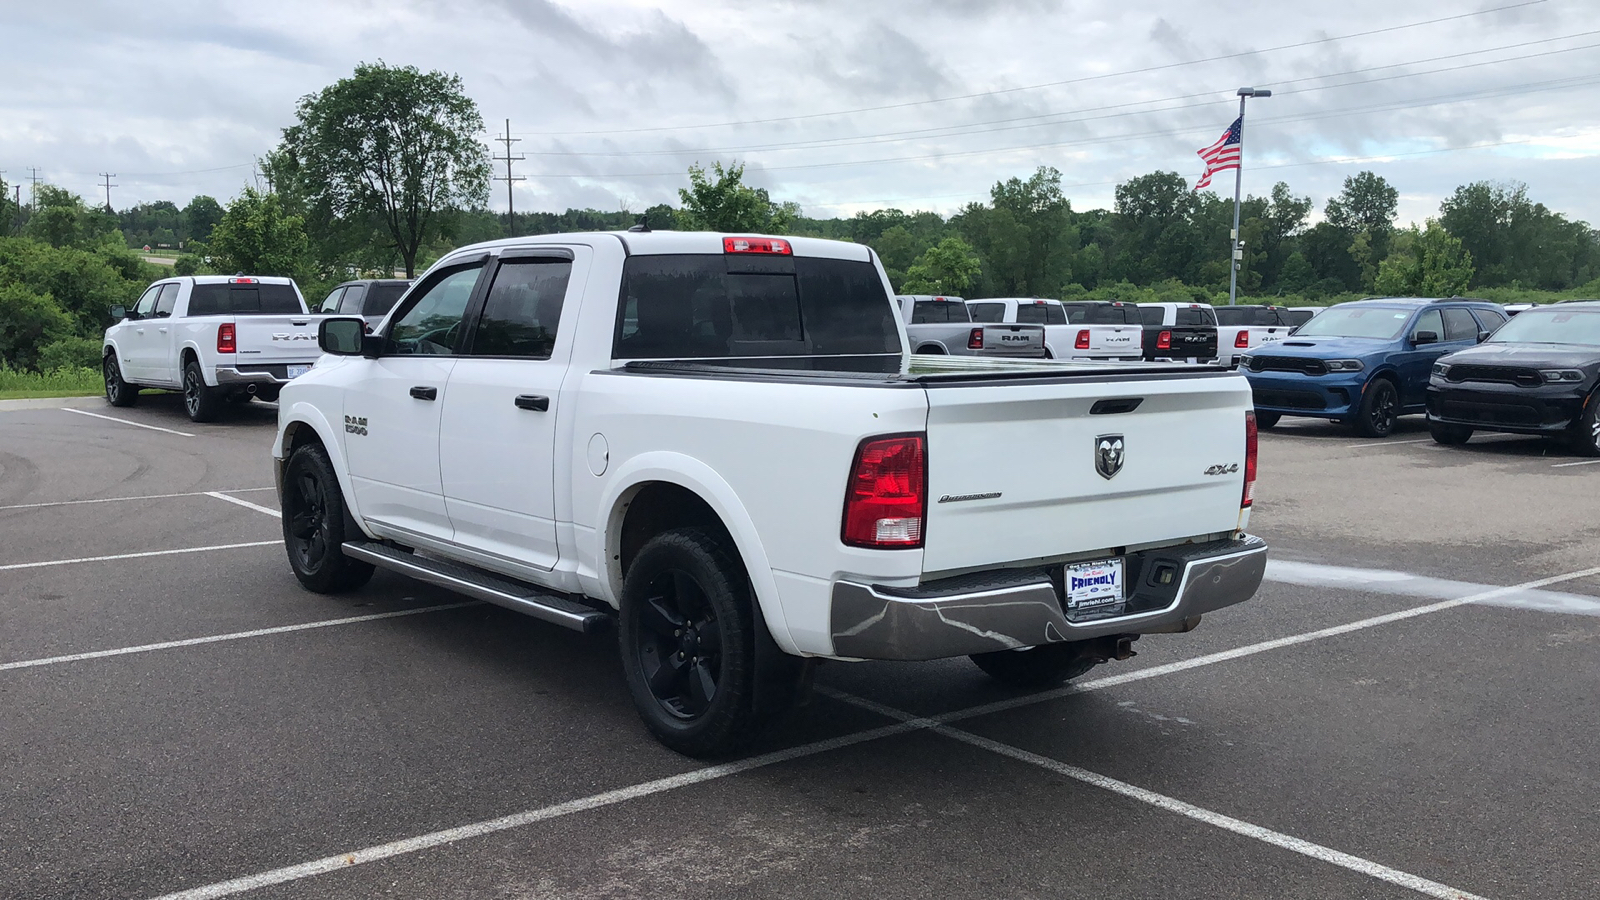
{"points": [[987, 312], [1429, 321], [431, 323], [1459, 325], [523, 309], [166, 300], [147, 302]]}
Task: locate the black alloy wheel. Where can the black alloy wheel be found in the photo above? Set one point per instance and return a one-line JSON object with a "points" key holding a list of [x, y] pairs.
{"points": [[314, 526], [118, 392], [1585, 435], [680, 645], [1380, 407], [199, 401]]}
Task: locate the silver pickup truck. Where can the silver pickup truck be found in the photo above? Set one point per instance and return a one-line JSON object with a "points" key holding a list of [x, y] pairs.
{"points": [[941, 326]]}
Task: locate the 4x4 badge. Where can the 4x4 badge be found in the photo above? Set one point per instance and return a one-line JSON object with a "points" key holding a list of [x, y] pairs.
{"points": [[1109, 452]]}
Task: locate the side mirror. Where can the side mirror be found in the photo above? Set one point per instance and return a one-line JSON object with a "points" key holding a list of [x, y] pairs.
{"points": [[119, 312], [342, 336], [1484, 336], [1425, 337]]}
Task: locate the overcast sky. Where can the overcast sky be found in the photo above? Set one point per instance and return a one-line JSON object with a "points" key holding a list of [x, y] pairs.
{"points": [[840, 106]]}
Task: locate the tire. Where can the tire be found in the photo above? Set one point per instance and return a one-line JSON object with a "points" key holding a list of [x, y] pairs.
{"points": [[268, 393], [201, 403], [688, 644], [1584, 438], [118, 392], [1449, 435], [314, 525], [1380, 408], [1266, 419], [1044, 666], [240, 398]]}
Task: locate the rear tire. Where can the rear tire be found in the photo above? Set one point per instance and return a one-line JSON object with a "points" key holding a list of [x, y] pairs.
{"points": [[1044, 666], [1266, 419], [118, 392], [1449, 435], [314, 520], [1584, 438], [1380, 408], [200, 402], [268, 393], [688, 644]]}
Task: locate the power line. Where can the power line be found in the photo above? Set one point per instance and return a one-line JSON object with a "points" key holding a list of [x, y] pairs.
{"points": [[1050, 84], [509, 179], [109, 186]]}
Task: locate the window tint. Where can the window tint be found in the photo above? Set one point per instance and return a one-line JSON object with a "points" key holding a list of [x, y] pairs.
{"points": [[1459, 325], [167, 300], [1299, 316], [1429, 321], [1151, 315], [1249, 316], [383, 296], [1551, 326], [1489, 319], [1378, 322], [243, 299], [431, 324], [147, 302], [1040, 314], [1100, 314], [1189, 315], [350, 303], [523, 307], [987, 312], [690, 306], [924, 311], [330, 303]]}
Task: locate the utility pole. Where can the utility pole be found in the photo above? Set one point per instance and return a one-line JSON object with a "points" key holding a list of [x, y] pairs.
{"points": [[109, 186], [1236, 247], [508, 159], [33, 189]]}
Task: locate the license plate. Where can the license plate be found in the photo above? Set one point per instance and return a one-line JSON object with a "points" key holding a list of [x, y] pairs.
{"points": [[297, 371], [1095, 584]]}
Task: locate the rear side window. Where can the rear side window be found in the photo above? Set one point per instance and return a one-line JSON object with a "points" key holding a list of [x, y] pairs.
{"points": [[243, 300], [987, 312], [523, 308], [925, 311], [1040, 314], [1459, 325], [382, 297], [1489, 319], [1195, 315], [690, 306], [167, 300], [350, 303], [330, 304]]}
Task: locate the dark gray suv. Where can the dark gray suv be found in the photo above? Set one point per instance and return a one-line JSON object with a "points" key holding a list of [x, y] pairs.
{"points": [[371, 299]]}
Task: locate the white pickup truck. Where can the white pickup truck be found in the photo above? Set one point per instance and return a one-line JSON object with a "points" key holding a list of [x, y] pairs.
{"points": [[217, 338], [1245, 327], [720, 444], [941, 326], [1063, 338]]}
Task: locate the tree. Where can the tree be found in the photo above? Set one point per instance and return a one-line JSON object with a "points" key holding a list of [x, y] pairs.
{"points": [[61, 219], [1367, 202], [1516, 241], [28, 321], [721, 201], [1426, 263], [1025, 235], [200, 216], [951, 267], [392, 147], [256, 237]]}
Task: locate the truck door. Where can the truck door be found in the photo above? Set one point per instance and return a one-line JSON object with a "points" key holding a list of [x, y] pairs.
{"points": [[131, 335], [158, 343], [497, 444], [392, 410]]}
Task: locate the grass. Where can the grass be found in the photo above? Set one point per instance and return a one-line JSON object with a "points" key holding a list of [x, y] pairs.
{"points": [[16, 384]]}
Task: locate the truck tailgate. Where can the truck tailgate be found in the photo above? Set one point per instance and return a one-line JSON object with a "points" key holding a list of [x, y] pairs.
{"points": [[277, 338], [1123, 340], [1012, 473], [1022, 340]]}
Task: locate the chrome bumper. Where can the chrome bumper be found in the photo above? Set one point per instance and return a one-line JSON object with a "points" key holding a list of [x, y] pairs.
{"points": [[1022, 608], [231, 375]]}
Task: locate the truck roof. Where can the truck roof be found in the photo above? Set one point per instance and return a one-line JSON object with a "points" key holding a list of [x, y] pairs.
{"points": [[230, 279], [654, 243]]}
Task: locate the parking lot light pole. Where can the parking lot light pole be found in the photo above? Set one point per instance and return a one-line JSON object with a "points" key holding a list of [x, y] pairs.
{"points": [[1236, 246]]}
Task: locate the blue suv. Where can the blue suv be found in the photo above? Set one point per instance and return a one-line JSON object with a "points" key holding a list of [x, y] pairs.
{"points": [[1364, 363]]}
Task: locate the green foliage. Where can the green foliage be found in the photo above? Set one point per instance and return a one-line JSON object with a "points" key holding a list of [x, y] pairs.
{"points": [[70, 353], [186, 264], [1366, 202], [949, 268], [62, 382], [83, 283], [61, 219], [28, 320], [1514, 241], [256, 237], [720, 201], [385, 153], [1025, 235], [1425, 263]]}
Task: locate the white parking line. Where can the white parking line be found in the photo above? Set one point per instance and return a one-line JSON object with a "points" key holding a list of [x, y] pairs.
{"points": [[235, 636], [79, 412], [1389, 443], [246, 504], [1586, 462], [1171, 804], [451, 835], [89, 559], [120, 499]]}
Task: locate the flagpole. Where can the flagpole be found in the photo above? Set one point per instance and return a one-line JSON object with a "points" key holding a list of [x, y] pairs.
{"points": [[1235, 246]]}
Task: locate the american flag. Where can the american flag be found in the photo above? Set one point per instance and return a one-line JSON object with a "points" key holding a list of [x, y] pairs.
{"points": [[1222, 155]]}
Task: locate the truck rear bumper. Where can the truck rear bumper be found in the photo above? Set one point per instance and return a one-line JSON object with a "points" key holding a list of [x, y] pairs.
{"points": [[266, 373], [1022, 608]]}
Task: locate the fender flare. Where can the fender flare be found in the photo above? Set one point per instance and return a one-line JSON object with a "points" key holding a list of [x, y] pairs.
{"points": [[693, 475], [207, 371], [307, 415]]}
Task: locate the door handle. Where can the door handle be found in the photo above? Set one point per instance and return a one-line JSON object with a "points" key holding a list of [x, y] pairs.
{"points": [[162, 329], [139, 330], [425, 393], [533, 402]]}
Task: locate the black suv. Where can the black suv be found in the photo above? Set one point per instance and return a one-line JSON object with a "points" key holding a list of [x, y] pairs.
{"points": [[371, 299]]}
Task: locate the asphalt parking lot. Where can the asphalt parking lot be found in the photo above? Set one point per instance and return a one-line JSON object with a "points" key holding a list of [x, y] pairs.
{"points": [[1406, 708]]}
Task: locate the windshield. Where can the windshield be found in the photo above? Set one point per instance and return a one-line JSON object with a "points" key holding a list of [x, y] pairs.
{"points": [[1377, 322], [1548, 326]]}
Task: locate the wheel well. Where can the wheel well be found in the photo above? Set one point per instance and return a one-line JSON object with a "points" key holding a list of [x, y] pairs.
{"points": [[660, 506], [931, 349], [297, 435], [188, 355]]}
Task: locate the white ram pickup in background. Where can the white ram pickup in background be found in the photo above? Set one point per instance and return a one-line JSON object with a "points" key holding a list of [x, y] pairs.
{"points": [[941, 326], [1063, 340], [1245, 327]]}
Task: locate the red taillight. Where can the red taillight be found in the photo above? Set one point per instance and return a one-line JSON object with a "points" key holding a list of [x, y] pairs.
{"points": [[1164, 341], [1082, 343], [975, 339], [775, 246], [885, 501], [1249, 460], [1242, 340], [225, 340]]}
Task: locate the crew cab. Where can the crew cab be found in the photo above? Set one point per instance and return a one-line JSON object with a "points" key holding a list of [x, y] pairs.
{"points": [[217, 338], [1063, 340], [1537, 374], [721, 445], [1245, 327], [942, 326], [1180, 331], [1364, 363]]}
